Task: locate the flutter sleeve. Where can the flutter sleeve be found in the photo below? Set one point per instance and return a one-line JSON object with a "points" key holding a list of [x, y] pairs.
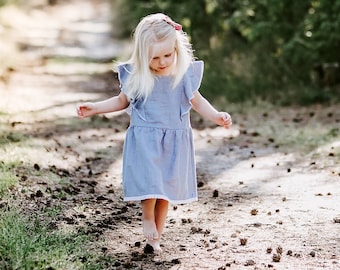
{"points": [[192, 82], [124, 71]]}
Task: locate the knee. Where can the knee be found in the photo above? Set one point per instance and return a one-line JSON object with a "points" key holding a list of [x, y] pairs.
{"points": [[162, 202]]}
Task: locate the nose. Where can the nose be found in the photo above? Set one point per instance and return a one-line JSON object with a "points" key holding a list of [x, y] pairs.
{"points": [[161, 61]]}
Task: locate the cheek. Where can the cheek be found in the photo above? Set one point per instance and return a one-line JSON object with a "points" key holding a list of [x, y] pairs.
{"points": [[152, 63], [171, 59]]}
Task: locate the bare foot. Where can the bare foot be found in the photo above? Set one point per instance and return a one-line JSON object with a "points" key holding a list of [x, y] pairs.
{"points": [[150, 230]]}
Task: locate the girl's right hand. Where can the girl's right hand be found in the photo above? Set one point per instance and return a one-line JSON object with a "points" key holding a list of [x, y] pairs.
{"points": [[86, 109]]}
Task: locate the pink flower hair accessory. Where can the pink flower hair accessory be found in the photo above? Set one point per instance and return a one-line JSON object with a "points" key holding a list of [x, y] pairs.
{"points": [[175, 25]]}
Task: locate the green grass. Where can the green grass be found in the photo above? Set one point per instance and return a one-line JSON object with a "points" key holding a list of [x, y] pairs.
{"points": [[8, 2], [293, 129], [28, 244], [11, 137], [8, 178], [7, 134]]}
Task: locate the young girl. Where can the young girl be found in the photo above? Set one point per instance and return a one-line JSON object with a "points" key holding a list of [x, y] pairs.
{"points": [[159, 84]]}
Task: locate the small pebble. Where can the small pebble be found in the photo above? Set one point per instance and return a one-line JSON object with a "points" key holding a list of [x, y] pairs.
{"points": [[336, 220], [312, 254], [148, 249], [276, 257], [243, 241], [249, 263], [279, 250], [36, 167], [254, 212], [175, 261]]}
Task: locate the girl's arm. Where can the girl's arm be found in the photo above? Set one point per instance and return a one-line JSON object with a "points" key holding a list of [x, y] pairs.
{"points": [[206, 110], [113, 104]]}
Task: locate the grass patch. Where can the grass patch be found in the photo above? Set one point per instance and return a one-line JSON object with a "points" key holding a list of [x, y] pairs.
{"points": [[303, 129], [11, 137], [307, 138], [8, 178], [9, 2], [28, 244], [8, 136]]}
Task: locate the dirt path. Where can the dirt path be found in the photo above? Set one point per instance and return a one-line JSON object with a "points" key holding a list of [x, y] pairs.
{"points": [[261, 205]]}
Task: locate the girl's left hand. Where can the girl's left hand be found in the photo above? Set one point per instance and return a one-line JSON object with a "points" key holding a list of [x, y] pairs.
{"points": [[224, 119]]}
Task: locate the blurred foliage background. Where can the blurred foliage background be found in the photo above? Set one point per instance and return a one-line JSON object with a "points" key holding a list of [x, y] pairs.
{"points": [[284, 52]]}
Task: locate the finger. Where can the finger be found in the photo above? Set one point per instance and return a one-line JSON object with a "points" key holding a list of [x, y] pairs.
{"points": [[227, 120], [80, 113]]}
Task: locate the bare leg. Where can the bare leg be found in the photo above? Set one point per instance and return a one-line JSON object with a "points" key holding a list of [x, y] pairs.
{"points": [[161, 211], [149, 225]]}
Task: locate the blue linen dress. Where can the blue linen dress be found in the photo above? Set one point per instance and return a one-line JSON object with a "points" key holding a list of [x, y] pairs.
{"points": [[158, 154]]}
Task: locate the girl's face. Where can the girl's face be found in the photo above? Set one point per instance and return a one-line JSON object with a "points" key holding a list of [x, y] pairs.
{"points": [[163, 57]]}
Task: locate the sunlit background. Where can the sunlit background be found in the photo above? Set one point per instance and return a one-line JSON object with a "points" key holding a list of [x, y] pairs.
{"points": [[283, 52]]}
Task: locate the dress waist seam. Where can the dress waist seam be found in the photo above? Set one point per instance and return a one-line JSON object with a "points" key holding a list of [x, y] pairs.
{"points": [[160, 127]]}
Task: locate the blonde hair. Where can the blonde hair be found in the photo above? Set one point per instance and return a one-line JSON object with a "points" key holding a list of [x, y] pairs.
{"points": [[154, 28]]}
